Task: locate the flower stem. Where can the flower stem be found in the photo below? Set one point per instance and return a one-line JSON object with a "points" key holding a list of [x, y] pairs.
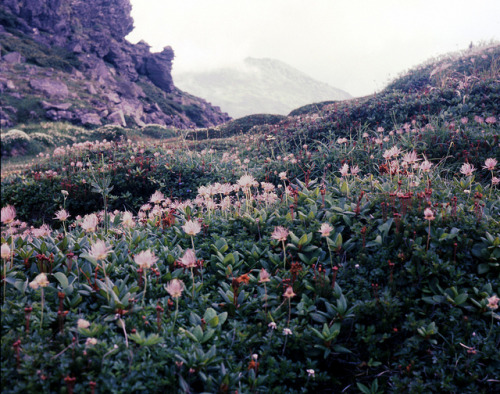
{"points": [[176, 311], [192, 277], [428, 236], [284, 255], [145, 284], [43, 302]]}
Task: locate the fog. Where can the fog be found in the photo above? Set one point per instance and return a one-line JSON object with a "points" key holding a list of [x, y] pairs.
{"points": [[354, 45]]}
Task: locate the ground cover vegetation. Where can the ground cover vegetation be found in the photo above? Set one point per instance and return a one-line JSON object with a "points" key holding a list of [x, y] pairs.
{"points": [[350, 247]]}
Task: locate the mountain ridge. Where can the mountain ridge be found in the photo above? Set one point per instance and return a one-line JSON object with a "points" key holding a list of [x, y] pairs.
{"points": [[258, 85]]}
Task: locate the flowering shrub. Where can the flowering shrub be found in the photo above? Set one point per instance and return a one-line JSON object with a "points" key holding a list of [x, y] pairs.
{"points": [[365, 260]]}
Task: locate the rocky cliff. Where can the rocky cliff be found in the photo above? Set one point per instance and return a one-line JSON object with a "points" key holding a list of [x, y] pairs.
{"points": [[68, 60]]}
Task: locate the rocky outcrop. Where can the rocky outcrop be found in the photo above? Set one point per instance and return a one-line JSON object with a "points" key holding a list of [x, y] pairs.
{"points": [[74, 53]]}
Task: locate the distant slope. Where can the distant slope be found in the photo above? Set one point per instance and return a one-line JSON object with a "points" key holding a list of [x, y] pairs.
{"points": [[257, 86], [456, 89]]}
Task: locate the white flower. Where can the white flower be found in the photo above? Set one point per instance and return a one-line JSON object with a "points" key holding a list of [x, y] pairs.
{"points": [[5, 251], [467, 169], [325, 230], [310, 372], [191, 228], [82, 323], [287, 331], [272, 325], [99, 250], [145, 259]]}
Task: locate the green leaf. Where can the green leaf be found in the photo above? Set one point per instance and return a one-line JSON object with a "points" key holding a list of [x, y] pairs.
{"points": [[229, 259], [62, 279], [461, 298], [303, 240], [211, 317]]}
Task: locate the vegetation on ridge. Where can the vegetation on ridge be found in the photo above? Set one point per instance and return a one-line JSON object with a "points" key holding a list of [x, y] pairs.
{"points": [[325, 252]]}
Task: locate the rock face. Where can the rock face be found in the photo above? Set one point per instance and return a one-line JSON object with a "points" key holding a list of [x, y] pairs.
{"points": [[75, 51]]}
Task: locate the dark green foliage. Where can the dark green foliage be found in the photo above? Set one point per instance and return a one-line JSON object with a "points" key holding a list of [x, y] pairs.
{"points": [[39, 54], [235, 127]]}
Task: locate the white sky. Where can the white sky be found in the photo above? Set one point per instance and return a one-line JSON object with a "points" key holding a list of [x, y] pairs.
{"points": [[354, 45]]}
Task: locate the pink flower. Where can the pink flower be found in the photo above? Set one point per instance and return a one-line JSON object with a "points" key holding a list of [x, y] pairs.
{"points": [[495, 180], [157, 197], [191, 228], [325, 230], [428, 214], [344, 170], [355, 170], [479, 119], [289, 292], [264, 276], [390, 153], [5, 251], [127, 220], [62, 215], [90, 223], [493, 302], [175, 288], [410, 158], [425, 166], [189, 259], [8, 214], [490, 120], [99, 250], [145, 259], [280, 233], [246, 181], [490, 164], [467, 169]]}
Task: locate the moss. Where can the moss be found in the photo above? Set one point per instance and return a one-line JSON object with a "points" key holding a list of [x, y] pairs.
{"points": [[158, 96], [39, 54], [235, 127]]}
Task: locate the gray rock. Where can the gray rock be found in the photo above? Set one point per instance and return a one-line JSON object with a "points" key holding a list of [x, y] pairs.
{"points": [[13, 58], [51, 87], [117, 117], [90, 119], [6, 84], [58, 106], [113, 97], [159, 67], [91, 89]]}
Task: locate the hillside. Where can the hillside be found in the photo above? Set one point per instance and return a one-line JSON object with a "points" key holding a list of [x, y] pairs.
{"points": [[69, 61], [257, 86], [350, 247]]}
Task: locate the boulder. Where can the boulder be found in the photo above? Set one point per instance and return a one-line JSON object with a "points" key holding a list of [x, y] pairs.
{"points": [[51, 87], [117, 117], [90, 119], [13, 58], [58, 106]]}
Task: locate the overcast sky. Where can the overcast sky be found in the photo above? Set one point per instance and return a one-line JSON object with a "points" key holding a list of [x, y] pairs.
{"points": [[354, 45]]}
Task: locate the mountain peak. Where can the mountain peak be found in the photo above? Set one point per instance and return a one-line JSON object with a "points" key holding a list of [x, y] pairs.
{"points": [[258, 85]]}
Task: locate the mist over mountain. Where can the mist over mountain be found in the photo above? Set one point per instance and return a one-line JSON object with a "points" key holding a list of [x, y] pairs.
{"points": [[257, 86]]}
